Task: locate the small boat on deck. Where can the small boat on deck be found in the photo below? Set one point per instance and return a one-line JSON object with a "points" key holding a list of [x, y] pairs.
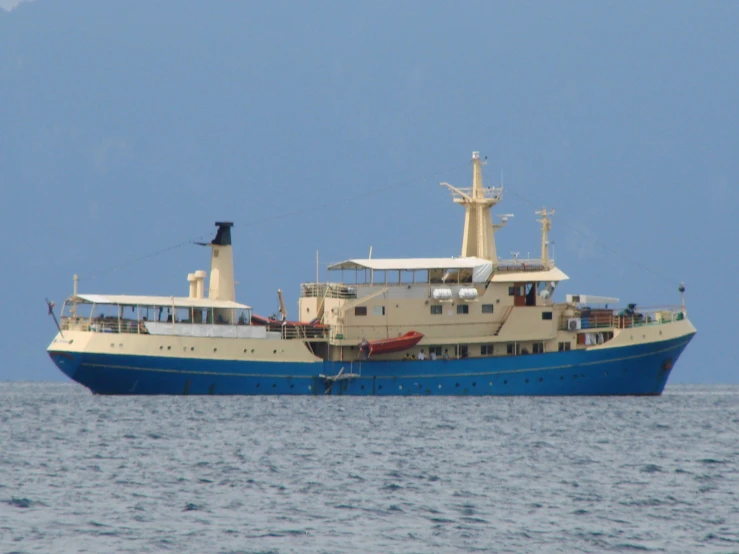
{"points": [[397, 344]]}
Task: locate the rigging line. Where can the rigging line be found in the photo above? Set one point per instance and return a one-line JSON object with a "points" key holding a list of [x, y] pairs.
{"points": [[365, 194], [147, 256], [591, 236], [271, 218]]}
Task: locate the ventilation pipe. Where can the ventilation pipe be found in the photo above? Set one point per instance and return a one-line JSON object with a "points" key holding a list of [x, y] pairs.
{"points": [[199, 284], [192, 280]]}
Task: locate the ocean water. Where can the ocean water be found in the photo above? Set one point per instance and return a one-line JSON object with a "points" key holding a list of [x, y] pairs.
{"points": [[83, 473]]}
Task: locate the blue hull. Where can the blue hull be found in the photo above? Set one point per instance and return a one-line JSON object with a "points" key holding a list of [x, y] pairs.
{"points": [[629, 370]]}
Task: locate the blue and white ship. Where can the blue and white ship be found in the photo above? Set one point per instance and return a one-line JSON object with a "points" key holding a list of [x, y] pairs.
{"points": [[470, 325]]}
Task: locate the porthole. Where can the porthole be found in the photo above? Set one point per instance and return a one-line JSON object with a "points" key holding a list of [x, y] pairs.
{"points": [[184, 348], [310, 387], [120, 345], [252, 351], [527, 380], [457, 385], [474, 384], [192, 349], [561, 377], [439, 385], [400, 387], [244, 350], [274, 385], [112, 345], [505, 382], [169, 348], [292, 386], [491, 383], [161, 348], [380, 387], [541, 379], [215, 350], [274, 351], [362, 387], [257, 385]]}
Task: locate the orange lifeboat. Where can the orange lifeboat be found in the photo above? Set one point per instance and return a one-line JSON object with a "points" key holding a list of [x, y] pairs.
{"points": [[385, 346]]}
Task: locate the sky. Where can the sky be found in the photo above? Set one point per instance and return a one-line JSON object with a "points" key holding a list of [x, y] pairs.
{"points": [[129, 128]]}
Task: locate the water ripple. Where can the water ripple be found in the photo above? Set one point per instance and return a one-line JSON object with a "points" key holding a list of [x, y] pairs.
{"points": [[278, 475]]}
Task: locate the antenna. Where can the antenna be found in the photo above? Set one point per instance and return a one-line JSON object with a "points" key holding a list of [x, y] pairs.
{"points": [[370, 254]]}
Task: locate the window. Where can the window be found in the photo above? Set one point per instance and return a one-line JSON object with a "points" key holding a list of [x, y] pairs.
{"points": [[462, 351], [512, 349], [538, 347], [378, 310], [360, 310], [487, 308], [436, 310], [546, 315], [486, 350], [463, 309], [511, 291], [435, 350], [564, 346]]}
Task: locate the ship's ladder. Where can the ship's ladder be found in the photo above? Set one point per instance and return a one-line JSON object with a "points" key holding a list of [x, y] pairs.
{"points": [[506, 314]]}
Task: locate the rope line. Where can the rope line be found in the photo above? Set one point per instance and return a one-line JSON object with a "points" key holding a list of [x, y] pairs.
{"points": [[285, 215]]}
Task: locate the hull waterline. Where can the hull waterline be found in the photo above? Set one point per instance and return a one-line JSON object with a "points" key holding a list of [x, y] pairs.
{"points": [[641, 369]]}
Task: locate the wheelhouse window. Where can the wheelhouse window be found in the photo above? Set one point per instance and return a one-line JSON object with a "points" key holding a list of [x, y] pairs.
{"points": [[463, 309]]}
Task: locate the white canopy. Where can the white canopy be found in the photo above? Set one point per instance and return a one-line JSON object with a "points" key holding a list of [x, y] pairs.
{"points": [[481, 269], [178, 301], [585, 299], [553, 274]]}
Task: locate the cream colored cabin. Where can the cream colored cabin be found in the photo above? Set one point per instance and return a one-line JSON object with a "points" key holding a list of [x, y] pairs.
{"points": [[458, 304]]}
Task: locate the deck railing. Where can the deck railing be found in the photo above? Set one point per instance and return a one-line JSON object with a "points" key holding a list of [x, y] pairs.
{"points": [[103, 325], [327, 290], [651, 316]]}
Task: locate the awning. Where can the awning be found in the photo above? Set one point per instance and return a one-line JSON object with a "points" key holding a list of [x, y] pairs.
{"points": [[177, 301]]}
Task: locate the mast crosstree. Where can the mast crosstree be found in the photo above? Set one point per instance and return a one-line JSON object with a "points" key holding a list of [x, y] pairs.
{"points": [[478, 239]]}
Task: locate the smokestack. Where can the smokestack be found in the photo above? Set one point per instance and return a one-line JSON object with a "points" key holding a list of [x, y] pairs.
{"points": [[221, 286]]}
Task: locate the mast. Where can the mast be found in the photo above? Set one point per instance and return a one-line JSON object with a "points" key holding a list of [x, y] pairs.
{"points": [[478, 238], [546, 225]]}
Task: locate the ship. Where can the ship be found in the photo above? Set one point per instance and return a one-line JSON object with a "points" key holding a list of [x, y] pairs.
{"points": [[454, 326]]}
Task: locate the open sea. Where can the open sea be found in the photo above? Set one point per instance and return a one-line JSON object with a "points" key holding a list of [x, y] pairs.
{"points": [[84, 473]]}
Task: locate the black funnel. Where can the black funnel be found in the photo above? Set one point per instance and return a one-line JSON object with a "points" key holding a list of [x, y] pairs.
{"points": [[223, 236]]}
